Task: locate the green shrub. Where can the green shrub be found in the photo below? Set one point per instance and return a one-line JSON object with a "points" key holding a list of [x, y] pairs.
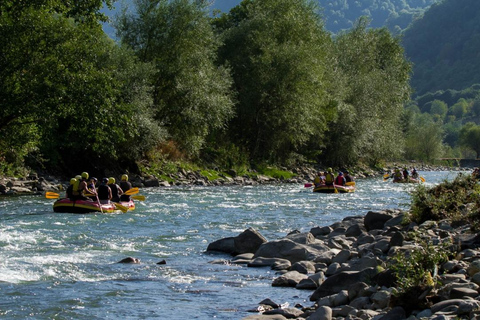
{"points": [[446, 201]]}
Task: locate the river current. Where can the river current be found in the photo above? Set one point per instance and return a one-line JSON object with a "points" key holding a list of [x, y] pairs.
{"points": [[63, 266]]}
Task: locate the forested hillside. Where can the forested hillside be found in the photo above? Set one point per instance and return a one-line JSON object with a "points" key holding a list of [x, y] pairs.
{"points": [[342, 14], [444, 47]]}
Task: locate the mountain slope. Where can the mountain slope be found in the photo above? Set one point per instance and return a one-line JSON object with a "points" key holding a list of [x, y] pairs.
{"points": [[342, 14], [445, 46]]}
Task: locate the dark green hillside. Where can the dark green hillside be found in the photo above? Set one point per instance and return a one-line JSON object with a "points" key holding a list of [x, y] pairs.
{"points": [[445, 46], [395, 14]]}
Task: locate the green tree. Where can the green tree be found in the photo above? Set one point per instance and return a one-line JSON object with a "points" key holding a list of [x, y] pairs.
{"points": [[192, 94], [424, 140], [470, 137], [279, 54], [61, 90], [439, 109], [459, 109], [374, 73]]}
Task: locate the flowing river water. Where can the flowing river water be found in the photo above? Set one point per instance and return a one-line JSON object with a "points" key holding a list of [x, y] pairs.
{"points": [[63, 266]]}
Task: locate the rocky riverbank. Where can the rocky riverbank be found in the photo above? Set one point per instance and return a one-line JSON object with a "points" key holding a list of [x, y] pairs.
{"points": [[347, 266], [34, 184]]}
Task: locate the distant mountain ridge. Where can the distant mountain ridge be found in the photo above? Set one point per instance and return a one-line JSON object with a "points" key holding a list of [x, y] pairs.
{"points": [[444, 47], [342, 14]]}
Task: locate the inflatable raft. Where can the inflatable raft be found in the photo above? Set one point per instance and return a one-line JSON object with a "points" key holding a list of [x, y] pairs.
{"points": [[334, 188], [85, 206]]}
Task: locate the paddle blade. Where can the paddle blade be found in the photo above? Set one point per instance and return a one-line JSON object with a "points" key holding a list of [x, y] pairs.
{"points": [[308, 185], [132, 191], [386, 176], [422, 178], [120, 207], [52, 195], [351, 183], [139, 197]]}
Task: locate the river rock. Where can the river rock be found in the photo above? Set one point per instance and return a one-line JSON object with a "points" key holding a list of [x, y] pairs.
{"points": [[376, 220], [342, 280], [226, 245], [304, 267], [248, 241], [322, 313], [286, 249], [265, 317], [289, 279], [267, 262]]}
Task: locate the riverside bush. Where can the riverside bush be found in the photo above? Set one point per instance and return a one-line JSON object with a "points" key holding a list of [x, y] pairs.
{"points": [[457, 200], [415, 272]]}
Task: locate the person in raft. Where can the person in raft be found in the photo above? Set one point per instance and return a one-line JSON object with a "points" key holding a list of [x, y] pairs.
{"points": [[348, 177], [80, 187], [69, 191], [116, 190], [329, 177], [104, 192], [92, 188], [397, 175], [125, 185], [318, 181], [340, 180]]}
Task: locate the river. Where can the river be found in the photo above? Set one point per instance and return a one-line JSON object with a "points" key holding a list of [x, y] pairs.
{"points": [[63, 266]]}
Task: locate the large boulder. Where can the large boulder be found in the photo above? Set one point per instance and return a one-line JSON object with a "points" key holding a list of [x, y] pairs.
{"points": [[246, 242], [376, 220], [342, 281], [287, 249]]}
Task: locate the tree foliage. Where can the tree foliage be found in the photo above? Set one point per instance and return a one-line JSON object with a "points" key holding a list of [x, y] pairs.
{"points": [[470, 137], [60, 88], [278, 52], [192, 94], [374, 75]]}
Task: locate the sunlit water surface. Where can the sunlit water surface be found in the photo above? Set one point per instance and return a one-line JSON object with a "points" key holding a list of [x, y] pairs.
{"points": [[63, 266]]}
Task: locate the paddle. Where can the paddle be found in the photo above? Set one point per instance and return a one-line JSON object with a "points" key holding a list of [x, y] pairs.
{"points": [[386, 176], [422, 179], [308, 185], [52, 195], [351, 183], [124, 209], [132, 191], [139, 197]]}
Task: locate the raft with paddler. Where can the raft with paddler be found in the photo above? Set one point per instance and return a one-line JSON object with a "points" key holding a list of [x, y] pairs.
{"points": [[85, 195], [404, 176], [327, 182]]}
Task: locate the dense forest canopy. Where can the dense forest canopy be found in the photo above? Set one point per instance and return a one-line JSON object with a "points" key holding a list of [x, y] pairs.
{"points": [[263, 83]]}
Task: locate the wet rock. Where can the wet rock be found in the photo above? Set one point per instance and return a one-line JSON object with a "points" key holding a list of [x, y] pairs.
{"points": [[322, 313], [376, 220], [248, 241], [289, 279], [130, 260], [342, 280]]}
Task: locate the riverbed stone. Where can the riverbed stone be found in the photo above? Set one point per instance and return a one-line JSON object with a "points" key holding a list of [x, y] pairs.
{"points": [[304, 267], [322, 313], [286, 249], [342, 280], [289, 279], [266, 262], [248, 241], [265, 317], [226, 245], [376, 220]]}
